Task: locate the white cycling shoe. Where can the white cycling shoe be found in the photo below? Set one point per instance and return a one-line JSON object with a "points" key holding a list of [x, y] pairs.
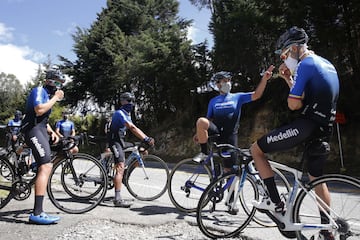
{"points": [[267, 204]]}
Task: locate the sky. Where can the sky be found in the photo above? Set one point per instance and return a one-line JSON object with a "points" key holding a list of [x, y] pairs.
{"points": [[31, 31]]}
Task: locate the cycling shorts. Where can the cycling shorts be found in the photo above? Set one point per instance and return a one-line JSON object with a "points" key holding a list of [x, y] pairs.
{"points": [[225, 138], [117, 150], [298, 132], [37, 138]]}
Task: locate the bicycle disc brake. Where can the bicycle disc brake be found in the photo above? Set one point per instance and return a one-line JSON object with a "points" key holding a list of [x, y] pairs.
{"points": [[22, 190]]}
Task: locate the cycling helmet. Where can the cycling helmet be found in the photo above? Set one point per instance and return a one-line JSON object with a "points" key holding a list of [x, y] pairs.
{"points": [[127, 96], [54, 77], [216, 77], [294, 35], [18, 113]]}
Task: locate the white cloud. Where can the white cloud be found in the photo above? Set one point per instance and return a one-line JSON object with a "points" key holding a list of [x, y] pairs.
{"points": [[14, 60], [192, 33], [21, 61]]}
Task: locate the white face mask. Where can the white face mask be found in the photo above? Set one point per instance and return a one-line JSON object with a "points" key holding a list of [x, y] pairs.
{"points": [[225, 87], [291, 63]]}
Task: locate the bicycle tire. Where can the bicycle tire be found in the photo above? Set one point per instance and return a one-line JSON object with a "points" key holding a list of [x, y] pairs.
{"points": [[7, 178], [77, 185], [345, 204], [147, 182], [186, 174], [213, 216], [283, 186]]}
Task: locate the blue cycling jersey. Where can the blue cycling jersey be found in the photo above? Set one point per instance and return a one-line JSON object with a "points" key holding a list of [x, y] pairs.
{"points": [[37, 96], [65, 127], [15, 124], [119, 119], [317, 78], [225, 111]]}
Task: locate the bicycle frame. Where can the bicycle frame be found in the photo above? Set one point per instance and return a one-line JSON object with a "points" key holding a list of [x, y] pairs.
{"points": [[288, 225]]}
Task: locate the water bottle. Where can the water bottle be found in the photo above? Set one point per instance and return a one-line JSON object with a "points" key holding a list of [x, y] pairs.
{"points": [[33, 167]]}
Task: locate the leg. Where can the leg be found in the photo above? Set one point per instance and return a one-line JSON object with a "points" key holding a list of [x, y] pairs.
{"points": [[202, 126]]}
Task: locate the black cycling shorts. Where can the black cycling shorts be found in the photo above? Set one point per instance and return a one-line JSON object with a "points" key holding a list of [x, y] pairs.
{"points": [[295, 133], [37, 139], [118, 152], [225, 138]]}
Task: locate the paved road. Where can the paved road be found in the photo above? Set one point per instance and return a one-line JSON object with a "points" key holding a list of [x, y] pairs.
{"points": [[14, 219]]}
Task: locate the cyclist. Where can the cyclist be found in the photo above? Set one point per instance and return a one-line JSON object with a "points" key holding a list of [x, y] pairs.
{"points": [[121, 121], [223, 114], [314, 89], [36, 129], [66, 128], [14, 125]]}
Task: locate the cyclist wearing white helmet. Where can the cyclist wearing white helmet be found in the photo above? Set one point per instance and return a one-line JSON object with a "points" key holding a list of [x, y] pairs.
{"points": [[314, 89], [223, 114], [36, 129]]}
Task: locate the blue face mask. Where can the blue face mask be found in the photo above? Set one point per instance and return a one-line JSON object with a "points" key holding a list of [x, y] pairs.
{"points": [[128, 107]]}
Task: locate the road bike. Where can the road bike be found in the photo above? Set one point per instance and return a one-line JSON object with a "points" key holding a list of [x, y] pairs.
{"points": [[188, 179], [302, 218], [145, 175]]}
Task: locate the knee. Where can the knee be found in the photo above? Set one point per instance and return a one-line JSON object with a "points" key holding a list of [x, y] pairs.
{"points": [[120, 168], [202, 123]]}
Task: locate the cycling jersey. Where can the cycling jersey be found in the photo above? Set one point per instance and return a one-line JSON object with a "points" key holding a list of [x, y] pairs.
{"points": [[318, 79], [37, 96], [15, 124], [117, 127], [65, 127], [225, 111]]}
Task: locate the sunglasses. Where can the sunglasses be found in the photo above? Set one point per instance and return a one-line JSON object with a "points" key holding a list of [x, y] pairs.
{"points": [[285, 54], [56, 84]]}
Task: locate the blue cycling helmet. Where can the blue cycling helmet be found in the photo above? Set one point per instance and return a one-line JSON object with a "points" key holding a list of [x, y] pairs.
{"points": [[216, 77], [294, 35]]}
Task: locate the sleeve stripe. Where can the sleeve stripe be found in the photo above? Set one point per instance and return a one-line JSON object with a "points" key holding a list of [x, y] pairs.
{"points": [[294, 96]]}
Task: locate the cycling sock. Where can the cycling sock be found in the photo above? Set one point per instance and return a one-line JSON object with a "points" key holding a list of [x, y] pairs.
{"points": [[38, 205], [204, 148], [272, 189], [117, 195], [324, 218]]}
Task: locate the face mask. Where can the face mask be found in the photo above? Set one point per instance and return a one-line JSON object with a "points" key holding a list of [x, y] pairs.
{"points": [[50, 89], [225, 87], [291, 63], [128, 107]]}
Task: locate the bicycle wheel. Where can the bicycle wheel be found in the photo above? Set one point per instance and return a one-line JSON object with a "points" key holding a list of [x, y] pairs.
{"points": [[7, 178], [187, 181], [147, 182], [78, 184], [283, 187], [213, 216], [344, 207]]}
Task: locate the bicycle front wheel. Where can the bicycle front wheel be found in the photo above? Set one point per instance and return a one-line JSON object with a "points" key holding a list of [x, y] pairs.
{"points": [[7, 178], [214, 216], [147, 182], [188, 179], [78, 184], [344, 196]]}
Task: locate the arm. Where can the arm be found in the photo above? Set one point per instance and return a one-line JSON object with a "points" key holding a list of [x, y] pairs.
{"points": [[44, 107], [137, 132], [261, 87], [54, 137]]}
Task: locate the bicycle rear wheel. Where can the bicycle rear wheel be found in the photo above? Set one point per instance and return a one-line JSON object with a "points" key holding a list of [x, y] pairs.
{"points": [[147, 182], [345, 204], [213, 216], [78, 184], [7, 178], [187, 181]]}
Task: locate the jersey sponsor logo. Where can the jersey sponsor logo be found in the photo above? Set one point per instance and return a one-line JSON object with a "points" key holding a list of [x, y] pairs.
{"points": [[292, 132], [38, 146], [224, 105]]}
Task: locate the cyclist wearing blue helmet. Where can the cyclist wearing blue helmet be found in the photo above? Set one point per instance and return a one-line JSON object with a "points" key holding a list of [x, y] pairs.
{"points": [[120, 123], [223, 114], [37, 130], [314, 89], [14, 125]]}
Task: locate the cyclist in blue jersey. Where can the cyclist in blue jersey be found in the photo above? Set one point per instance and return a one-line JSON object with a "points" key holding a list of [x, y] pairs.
{"points": [[120, 123], [66, 128], [14, 125], [37, 130], [314, 90], [224, 113]]}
